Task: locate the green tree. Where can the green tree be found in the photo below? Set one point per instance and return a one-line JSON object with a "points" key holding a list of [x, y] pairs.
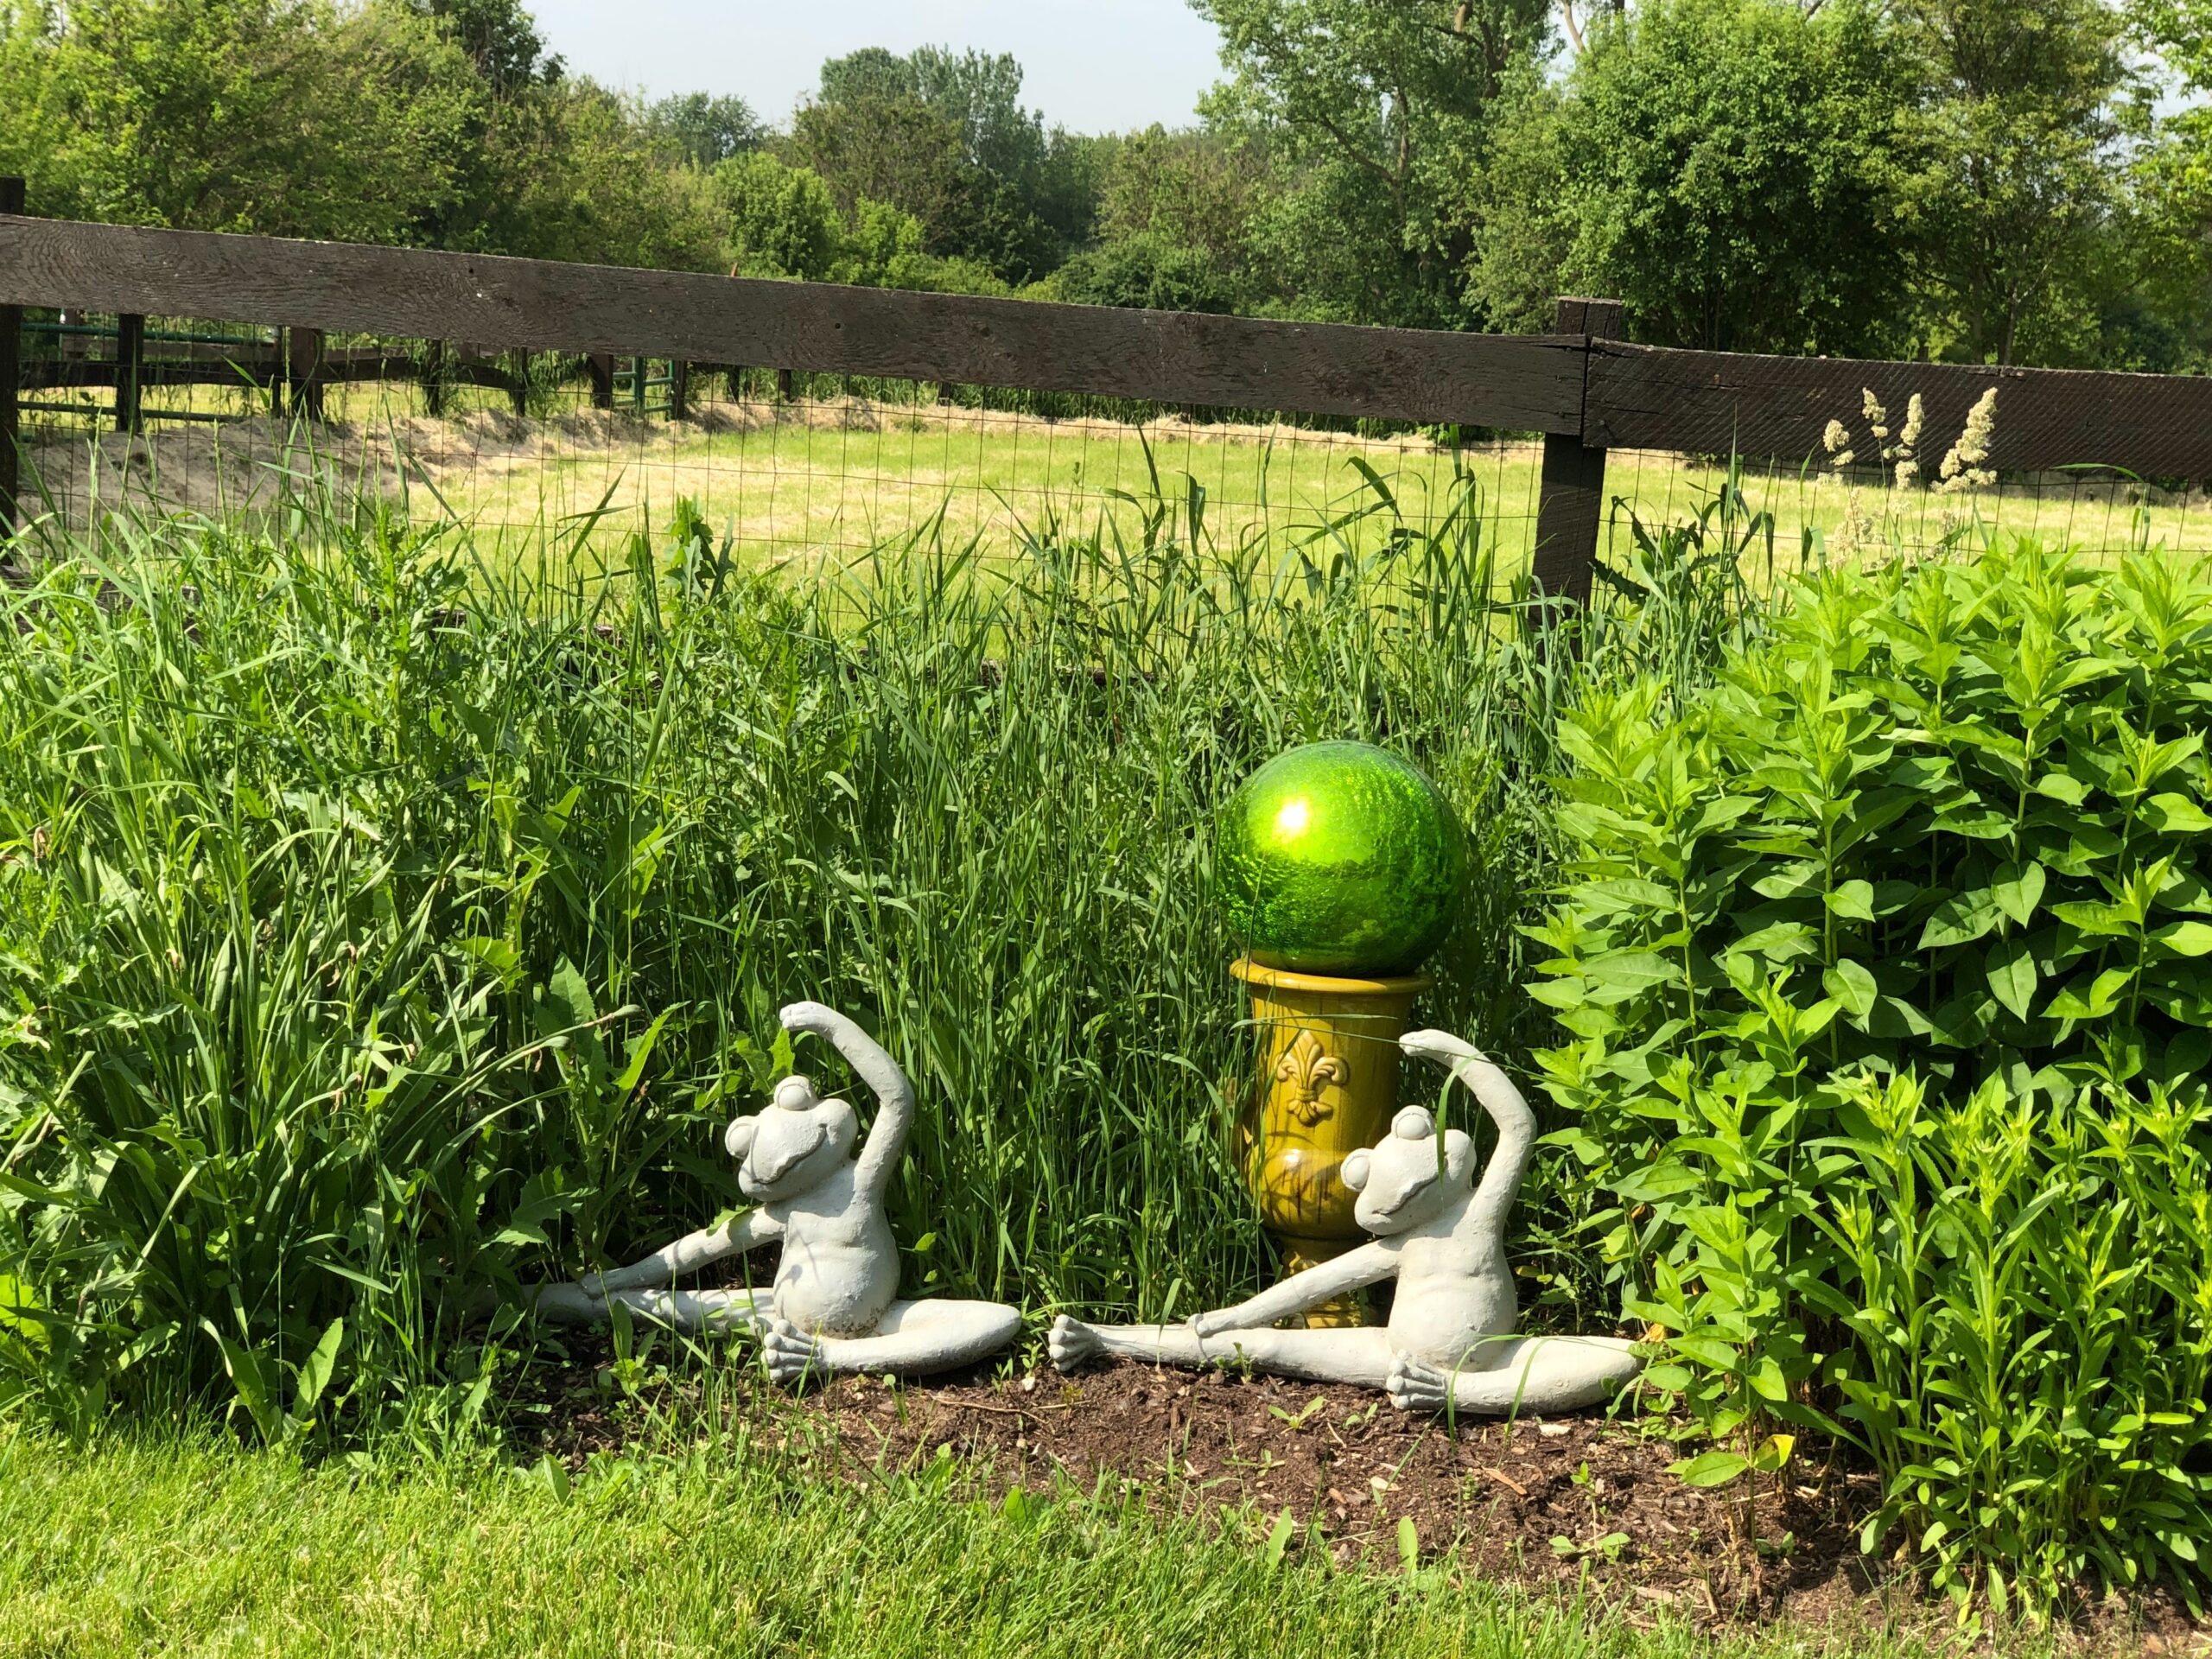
{"points": [[2015, 207], [884, 249], [500, 36], [1725, 168], [981, 93], [561, 168], [286, 117], [943, 136], [1190, 189], [1065, 193], [1373, 111], [513, 131], [2161, 319], [1147, 271], [783, 220], [36, 124], [1517, 199], [597, 187], [894, 148], [871, 74], [1053, 174], [2181, 32], [704, 130]]}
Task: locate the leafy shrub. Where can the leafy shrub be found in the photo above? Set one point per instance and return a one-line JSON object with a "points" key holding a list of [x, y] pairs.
{"points": [[1883, 969], [783, 222], [1144, 270]]}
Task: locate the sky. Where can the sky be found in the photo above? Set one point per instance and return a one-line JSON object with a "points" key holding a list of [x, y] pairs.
{"points": [[1105, 67]]}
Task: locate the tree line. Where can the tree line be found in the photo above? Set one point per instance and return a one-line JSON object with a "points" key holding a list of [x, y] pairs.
{"points": [[2018, 181]]}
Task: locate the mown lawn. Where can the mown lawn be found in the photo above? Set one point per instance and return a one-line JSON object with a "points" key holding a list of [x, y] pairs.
{"points": [[184, 1546]]}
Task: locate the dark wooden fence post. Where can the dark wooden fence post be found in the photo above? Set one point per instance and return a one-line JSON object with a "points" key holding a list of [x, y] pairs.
{"points": [[11, 374], [129, 370], [679, 389], [783, 385], [1571, 502], [303, 371], [603, 379], [518, 381], [433, 377]]}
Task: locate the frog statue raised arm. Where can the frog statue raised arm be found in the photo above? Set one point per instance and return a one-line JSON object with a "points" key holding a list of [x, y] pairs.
{"points": [[1450, 1340], [833, 1303]]}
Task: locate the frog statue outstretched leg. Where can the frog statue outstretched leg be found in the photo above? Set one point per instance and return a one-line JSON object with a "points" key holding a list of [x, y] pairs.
{"points": [[1450, 1341], [833, 1303]]}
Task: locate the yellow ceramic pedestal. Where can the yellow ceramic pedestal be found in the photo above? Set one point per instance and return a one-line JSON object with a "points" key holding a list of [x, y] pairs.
{"points": [[1328, 1086]]}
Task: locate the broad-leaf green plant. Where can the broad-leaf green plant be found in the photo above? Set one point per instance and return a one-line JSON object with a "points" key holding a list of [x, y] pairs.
{"points": [[1882, 975]]}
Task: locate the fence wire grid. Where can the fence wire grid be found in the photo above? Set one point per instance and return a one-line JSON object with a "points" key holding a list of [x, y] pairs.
{"points": [[821, 472]]}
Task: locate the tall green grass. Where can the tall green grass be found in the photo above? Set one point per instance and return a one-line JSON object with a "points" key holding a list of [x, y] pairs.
{"points": [[377, 926]]}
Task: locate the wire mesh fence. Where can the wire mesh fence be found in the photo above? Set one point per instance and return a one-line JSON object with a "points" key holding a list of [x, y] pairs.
{"points": [[1855, 514], [816, 471], [793, 470]]}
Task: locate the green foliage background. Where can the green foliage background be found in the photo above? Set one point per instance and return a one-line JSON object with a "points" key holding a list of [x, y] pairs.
{"points": [[1706, 161], [1975, 179]]}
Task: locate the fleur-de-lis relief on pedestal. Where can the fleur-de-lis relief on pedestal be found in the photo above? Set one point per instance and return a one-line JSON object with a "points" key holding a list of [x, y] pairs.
{"points": [[1309, 1069]]}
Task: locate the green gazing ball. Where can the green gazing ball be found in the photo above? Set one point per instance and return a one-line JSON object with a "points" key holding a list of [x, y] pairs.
{"points": [[1340, 858]]}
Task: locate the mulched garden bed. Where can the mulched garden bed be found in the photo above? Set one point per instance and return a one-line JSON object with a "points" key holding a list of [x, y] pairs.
{"points": [[1571, 1501], [1579, 1505]]}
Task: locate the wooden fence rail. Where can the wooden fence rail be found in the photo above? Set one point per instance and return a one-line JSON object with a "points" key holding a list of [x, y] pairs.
{"points": [[1582, 388]]}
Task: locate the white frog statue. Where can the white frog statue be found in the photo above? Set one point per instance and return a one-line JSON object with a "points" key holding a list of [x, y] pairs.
{"points": [[1450, 1342], [833, 1304]]}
